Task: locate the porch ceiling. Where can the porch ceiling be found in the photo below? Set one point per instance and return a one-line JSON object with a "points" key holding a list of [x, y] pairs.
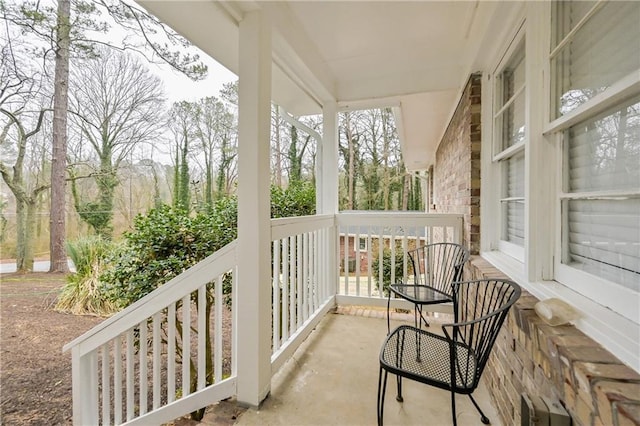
{"points": [[415, 56]]}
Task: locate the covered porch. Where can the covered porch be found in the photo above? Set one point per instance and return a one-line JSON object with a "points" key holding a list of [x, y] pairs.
{"points": [[435, 64]]}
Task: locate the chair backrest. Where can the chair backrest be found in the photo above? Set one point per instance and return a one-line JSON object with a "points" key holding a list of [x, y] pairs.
{"points": [[438, 265], [480, 308]]}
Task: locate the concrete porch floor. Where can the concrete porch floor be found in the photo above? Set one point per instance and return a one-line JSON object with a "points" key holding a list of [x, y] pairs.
{"points": [[332, 379]]}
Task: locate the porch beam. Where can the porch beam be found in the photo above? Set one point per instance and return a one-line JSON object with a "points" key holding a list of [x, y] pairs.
{"points": [[253, 304]]}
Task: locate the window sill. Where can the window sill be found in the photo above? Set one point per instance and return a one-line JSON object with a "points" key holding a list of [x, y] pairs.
{"points": [[617, 334]]}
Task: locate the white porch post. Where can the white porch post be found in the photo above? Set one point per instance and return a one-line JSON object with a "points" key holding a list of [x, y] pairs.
{"points": [[327, 187], [327, 191], [253, 305]]}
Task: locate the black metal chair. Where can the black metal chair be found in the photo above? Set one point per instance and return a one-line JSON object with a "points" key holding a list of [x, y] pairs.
{"points": [[453, 361], [435, 267]]}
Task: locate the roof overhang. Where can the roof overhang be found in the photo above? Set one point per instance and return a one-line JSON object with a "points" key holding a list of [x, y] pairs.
{"points": [[413, 56]]}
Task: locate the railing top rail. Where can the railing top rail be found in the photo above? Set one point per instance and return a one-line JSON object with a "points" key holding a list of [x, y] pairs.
{"points": [[397, 218], [392, 213], [173, 290], [288, 226], [282, 221]]}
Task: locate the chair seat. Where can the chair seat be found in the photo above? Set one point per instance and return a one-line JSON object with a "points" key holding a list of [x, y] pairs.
{"points": [[425, 357]]}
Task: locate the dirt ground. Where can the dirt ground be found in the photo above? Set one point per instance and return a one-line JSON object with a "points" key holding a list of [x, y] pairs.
{"points": [[35, 375]]}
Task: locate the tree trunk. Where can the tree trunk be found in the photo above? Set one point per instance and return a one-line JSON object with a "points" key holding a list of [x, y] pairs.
{"points": [[184, 199], [405, 191], [57, 224], [208, 197], [295, 172], [21, 238], [386, 179], [31, 206], [176, 177], [351, 172], [278, 153]]}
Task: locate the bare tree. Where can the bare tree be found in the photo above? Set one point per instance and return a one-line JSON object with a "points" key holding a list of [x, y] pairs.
{"points": [[65, 32], [182, 119], [117, 105], [215, 133], [21, 118], [374, 171], [349, 154], [276, 123]]}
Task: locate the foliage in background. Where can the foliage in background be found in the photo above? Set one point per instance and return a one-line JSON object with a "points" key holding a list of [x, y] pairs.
{"points": [[299, 199], [397, 267], [84, 294], [168, 240], [165, 242]]}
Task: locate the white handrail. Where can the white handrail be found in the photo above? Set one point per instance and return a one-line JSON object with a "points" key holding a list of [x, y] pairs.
{"points": [[179, 286], [113, 344], [288, 226]]}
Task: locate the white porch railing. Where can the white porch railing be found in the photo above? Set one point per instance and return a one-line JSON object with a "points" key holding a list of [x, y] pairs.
{"points": [[129, 369], [303, 281], [366, 237]]}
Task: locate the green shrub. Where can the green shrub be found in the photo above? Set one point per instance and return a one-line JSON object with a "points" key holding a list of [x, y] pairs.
{"points": [[164, 243], [299, 199], [84, 293], [386, 269]]}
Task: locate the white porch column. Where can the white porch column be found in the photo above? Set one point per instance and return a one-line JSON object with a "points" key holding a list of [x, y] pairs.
{"points": [[253, 304], [327, 190], [327, 187]]}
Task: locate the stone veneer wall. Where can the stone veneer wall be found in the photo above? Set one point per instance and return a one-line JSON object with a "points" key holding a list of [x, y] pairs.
{"points": [[456, 174], [560, 363]]}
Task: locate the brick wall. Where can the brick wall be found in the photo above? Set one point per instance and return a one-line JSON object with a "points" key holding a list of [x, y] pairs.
{"points": [[560, 363], [456, 174]]}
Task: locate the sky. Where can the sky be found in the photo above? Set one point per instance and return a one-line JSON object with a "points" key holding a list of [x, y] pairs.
{"points": [[178, 87]]}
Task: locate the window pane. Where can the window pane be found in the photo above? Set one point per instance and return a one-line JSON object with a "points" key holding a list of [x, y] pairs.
{"points": [[604, 239], [566, 16], [513, 76], [513, 226], [510, 120], [513, 123], [604, 153], [513, 210], [598, 55], [514, 170]]}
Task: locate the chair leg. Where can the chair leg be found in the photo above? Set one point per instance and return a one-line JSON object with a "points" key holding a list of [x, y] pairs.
{"points": [[382, 388], [453, 408], [484, 419], [399, 395]]}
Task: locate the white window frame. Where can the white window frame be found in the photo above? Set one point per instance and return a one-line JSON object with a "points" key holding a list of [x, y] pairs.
{"points": [[539, 274], [499, 155], [362, 244], [608, 294]]}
